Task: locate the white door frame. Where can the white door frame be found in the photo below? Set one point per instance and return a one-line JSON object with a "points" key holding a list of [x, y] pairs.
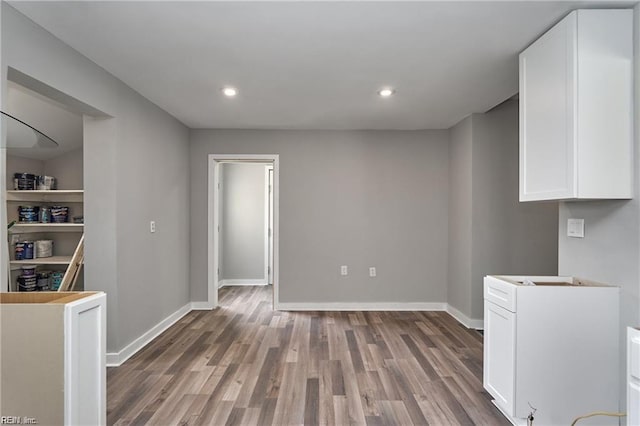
{"points": [[213, 220], [268, 224]]}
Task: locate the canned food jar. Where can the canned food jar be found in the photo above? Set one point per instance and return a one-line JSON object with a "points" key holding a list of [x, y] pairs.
{"points": [[59, 214], [28, 271], [55, 279], [46, 183], [25, 250], [19, 251], [45, 214], [28, 214], [43, 282], [27, 283], [24, 181]]}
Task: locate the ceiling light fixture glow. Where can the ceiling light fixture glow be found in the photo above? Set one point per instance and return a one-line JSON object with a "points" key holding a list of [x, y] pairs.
{"points": [[230, 92], [386, 92]]}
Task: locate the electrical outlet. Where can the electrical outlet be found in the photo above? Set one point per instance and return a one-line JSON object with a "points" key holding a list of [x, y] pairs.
{"points": [[344, 270], [15, 238], [152, 226], [372, 271]]}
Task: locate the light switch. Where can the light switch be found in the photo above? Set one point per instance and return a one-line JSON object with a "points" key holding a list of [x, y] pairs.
{"points": [[575, 228]]}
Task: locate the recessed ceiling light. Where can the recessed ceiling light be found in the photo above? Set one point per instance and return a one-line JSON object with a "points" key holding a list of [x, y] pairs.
{"points": [[229, 92], [386, 92]]}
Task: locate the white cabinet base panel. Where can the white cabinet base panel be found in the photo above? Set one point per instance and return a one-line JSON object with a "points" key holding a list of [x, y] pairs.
{"points": [[633, 376], [552, 346], [53, 348], [514, 421]]}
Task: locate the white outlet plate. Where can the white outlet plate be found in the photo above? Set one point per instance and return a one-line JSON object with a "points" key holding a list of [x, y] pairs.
{"points": [[344, 270], [152, 226], [575, 228], [372, 271]]}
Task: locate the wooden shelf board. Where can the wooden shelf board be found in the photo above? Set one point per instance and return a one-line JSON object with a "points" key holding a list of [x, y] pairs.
{"points": [[53, 260], [46, 227], [62, 195]]}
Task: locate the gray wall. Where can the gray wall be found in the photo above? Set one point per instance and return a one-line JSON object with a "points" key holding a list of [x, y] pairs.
{"points": [[16, 164], [509, 237], [355, 198], [610, 249], [135, 170], [243, 212], [459, 261], [491, 232], [68, 169]]}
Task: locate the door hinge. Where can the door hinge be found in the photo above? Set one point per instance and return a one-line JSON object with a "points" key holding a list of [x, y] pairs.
{"points": [[218, 271], [218, 185], [269, 231], [269, 269]]}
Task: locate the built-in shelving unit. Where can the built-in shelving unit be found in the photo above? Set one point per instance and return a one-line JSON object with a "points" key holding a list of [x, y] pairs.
{"points": [[36, 230]]}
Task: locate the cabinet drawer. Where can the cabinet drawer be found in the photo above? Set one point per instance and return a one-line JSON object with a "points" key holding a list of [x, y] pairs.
{"points": [[500, 292]]}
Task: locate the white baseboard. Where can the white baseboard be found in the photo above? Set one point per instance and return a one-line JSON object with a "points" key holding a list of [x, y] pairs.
{"points": [[362, 306], [201, 306], [224, 283], [115, 359], [476, 324], [384, 306]]}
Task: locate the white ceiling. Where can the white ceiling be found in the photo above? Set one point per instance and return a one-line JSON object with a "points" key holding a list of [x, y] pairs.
{"points": [[309, 65]]}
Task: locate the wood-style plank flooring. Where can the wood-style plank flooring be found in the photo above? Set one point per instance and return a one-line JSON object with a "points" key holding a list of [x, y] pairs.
{"points": [[244, 364]]}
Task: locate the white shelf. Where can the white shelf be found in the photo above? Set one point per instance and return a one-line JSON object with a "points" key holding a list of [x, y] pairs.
{"points": [[58, 195], [20, 228], [53, 260]]}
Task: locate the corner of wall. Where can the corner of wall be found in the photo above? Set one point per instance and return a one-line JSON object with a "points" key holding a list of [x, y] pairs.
{"points": [[476, 324], [4, 245]]}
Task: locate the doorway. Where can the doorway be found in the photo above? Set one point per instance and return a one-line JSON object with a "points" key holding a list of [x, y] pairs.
{"points": [[234, 258]]}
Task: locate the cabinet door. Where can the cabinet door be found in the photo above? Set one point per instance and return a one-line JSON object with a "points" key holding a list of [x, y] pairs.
{"points": [[85, 367], [499, 355], [546, 115]]}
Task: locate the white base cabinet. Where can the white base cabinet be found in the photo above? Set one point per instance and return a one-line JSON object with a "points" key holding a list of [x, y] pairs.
{"points": [[551, 346], [576, 109], [53, 352], [633, 376]]}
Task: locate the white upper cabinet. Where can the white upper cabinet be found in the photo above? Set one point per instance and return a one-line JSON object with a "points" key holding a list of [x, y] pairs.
{"points": [[576, 103]]}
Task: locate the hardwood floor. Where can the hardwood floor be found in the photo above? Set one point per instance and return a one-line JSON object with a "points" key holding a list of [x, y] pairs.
{"points": [[244, 364]]}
